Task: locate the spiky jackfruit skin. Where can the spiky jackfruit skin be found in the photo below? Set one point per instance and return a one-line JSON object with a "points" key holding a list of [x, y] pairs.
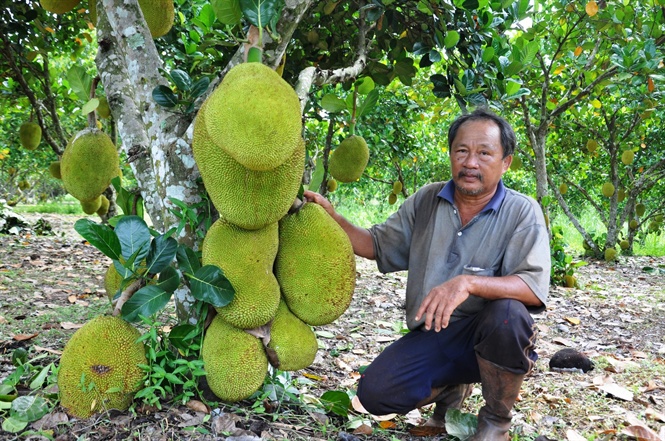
{"points": [[59, 6], [91, 207], [105, 352], [88, 164], [349, 159], [235, 361], [159, 15], [315, 265], [30, 135], [254, 116], [54, 169], [104, 206], [246, 257], [293, 340], [247, 198]]}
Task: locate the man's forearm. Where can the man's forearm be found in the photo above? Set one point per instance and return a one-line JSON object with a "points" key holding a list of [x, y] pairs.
{"points": [[360, 238], [506, 287]]}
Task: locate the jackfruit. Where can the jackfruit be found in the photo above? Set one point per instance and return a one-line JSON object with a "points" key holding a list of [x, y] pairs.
{"points": [[112, 281], [397, 187], [103, 109], [159, 15], [235, 361], [624, 244], [92, 11], [99, 367], [331, 185], [591, 145], [569, 281], [254, 116], [607, 189], [633, 224], [247, 198], [348, 161], [610, 254], [54, 169], [104, 206], [293, 341], [91, 207], [88, 164], [392, 198], [246, 258], [621, 195], [640, 209], [315, 265], [627, 157], [563, 188], [30, 134], [23, 185], [59, 6]]}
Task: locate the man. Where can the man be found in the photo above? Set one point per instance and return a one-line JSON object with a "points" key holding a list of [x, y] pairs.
{"points": [[478, 259]]}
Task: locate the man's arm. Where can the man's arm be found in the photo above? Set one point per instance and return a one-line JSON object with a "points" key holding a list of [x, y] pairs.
{"points": [[442, 300], [360, 238]]}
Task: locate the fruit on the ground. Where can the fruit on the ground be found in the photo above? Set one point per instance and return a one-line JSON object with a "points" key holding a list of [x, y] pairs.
{"points": [[254, 116], [246, 258], [640, 209], [247, 198], [392, 198], [30, 134], [293, 340], [315, 265], [99, 367], [607, 189], [59, 6], [624, 244], [103, 108], [159, 15], [104, 206], [627, 157], [569, 281], [332, 185], [348, 161], [54, 169], [397, 187], [610, 254], [563, 188], [91, 207], [88, 164], [235, 361]]}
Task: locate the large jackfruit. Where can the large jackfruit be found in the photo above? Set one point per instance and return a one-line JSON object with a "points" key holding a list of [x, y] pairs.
{"points": [[348, 161], [59, 6], [247, 198], [235, 361], [254, 116], [293, 340], [88, 164], [315, 265], [30, 134], [105, 352], [159, 15], [247, 258]]}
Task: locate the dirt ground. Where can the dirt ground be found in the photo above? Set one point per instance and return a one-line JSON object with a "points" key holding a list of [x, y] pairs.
{"points": [[51, 284]]}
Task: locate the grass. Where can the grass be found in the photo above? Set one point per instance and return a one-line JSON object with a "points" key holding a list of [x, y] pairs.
{"points": [[65, 205]]}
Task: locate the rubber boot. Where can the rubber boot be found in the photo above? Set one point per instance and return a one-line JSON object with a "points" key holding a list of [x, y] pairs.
{"points": [[445, 397], [500, 390]]}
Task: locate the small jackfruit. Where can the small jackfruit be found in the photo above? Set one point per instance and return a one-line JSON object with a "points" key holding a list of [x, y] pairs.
{"points": [[91, 207], [607, 189], [99, 367], [633, 224], [624, 244], [640, 209], [331, 185], [627, 157], [254, 116], [315, 265], [23, 185], [591, 145], [397, 187], [293, 341], [621, 195], [88, 164], [59, 6], [610, 254], [569, 281], [563, 188], [392, 198], [348, 161], [247, 198], [103, 109], [235, 361], [30, 134], [246, 258], [54, 169], [159, 16], [104, 206], [112, 281]]}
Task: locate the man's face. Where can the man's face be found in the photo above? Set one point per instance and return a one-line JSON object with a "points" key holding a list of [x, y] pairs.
{"points": [[476, 158]]}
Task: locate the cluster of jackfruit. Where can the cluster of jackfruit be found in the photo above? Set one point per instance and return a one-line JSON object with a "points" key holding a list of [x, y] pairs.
{"points": [[88, 164], [99, 367], [289, 271]]}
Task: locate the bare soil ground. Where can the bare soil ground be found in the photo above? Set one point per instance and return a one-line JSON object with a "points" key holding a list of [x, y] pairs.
{"points": [[50, 284]]}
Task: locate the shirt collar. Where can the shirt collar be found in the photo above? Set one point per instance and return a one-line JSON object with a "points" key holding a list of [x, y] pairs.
{"points": [[448, 191]]}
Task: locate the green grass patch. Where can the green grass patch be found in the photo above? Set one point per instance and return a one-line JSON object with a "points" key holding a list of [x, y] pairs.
{"points": [[65, 205]]}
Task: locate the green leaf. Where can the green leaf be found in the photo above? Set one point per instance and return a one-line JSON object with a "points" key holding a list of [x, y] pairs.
{"points": [[188, 261], [169, 279], [181, 336], [451, 39], [317, 175], [460, 425], [181, 80], [39, 379], [100, 236], [29, 408], [162, 251], [337, 402], [13, 425], [80, 82], [332, 103], [488, 54], [512, 87], [200, 87], [134, 236], [368, 103], [146, 301], [227, 11], [365, 85], [90, 106], [260, 12], [405, 70], [210, 285], [207, 16], [164, 96]]}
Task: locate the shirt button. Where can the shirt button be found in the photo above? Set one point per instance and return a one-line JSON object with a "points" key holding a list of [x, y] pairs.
{"points": [[459, 233]]}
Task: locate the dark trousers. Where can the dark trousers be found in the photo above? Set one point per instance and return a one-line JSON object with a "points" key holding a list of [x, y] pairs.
{"points": [[405, 373]]}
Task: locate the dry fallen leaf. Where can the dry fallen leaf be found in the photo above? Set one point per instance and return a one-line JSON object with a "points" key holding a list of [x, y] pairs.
{"points": [[198, 406], [641, 433], [363, 429], [571, 435], [654, 415], [49, 350], [23, 337], [617, 391], [573, 320], [70, 325]]}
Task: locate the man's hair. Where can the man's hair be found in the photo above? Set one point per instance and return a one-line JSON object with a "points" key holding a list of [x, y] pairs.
{"points": [[508, 139]]}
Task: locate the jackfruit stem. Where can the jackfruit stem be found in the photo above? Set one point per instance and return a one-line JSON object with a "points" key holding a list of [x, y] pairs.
{"points": [[127, 294], [296, 206]]}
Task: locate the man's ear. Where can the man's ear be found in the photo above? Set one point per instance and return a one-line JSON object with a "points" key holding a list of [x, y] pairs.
{"points": [[506, 162]]}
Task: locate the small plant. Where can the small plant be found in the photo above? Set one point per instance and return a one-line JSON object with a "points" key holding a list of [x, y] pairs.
{"points": [[563, 265]]}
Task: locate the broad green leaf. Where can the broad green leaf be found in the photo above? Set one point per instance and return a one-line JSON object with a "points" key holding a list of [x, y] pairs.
{"points": [[39, 379], [200, 87], [188, 261], [29, 408], [80, 82], [207, 16], [260, 12], [365, 85], [90, 106], [164, 96], [181, 336], [337, 402], [134, 237], [227, 11], [181, 80], [317, 175], [488, 54], [460, 425], [210, 285], [451, 39], [13, 425], [405, 70], [368, 103], [146, 302], [332, 103], [169, 279], [512, 87], [162, 251], [100, 236]]}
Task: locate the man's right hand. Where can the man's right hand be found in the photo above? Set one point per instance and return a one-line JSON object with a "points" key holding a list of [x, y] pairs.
{"points": [[318, 199]]}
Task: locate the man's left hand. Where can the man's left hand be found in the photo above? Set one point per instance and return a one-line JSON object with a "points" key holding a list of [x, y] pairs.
{"points": [[441, 301]]}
